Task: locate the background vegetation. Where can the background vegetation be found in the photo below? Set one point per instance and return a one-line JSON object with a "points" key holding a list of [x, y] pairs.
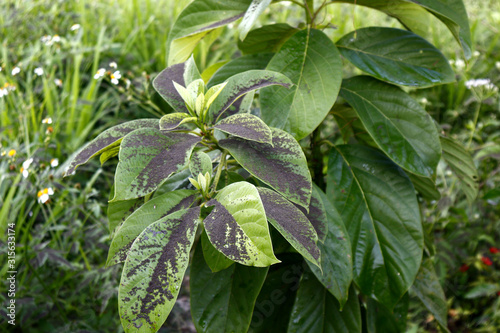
{"points": [[54, 102]]}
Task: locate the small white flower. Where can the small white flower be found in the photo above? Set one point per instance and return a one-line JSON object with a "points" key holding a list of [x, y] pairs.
{"points": [[56, 39], [424, 100], [25, 173], [27, 163], [47, 120], [58, 82], [74, 27], [100, 73], [460, 64], [230, 25], [44, 195], [113, 65], [16, 70], [497, 65], [47, 40], [476, 54], [39, 71], [3, 92], [452, 62], [115, 77], [54, 162], [486, 83]]}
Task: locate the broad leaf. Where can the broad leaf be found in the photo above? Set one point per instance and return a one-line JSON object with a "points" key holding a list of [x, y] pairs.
{"points": [[237, 226], [109, 153], [119, 211], [198, 19], [379, 319], [291, 223], [378, 205], [425, 186], [268, 38], [450, 12], [147, 158], [183, 74], [275, 301], [396, 122], [242, 83], [317, 214], [252, 14], [275, 165], [158, 208], [173, 120], [460, 161], [311, 60], [246, 126], [317, 311], [154, 270], [240, 65], [200, 162], [108, 139], [336, 259], [223, 301], [429, 291], [397, 56], [214, 259], [350, 126]]}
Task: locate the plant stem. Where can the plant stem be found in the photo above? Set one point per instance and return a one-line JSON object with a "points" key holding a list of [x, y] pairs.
{"points": [[309, 7], [476, 117]]}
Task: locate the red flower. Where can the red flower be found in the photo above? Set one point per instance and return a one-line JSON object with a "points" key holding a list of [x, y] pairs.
{"points": [[494, 250], [487, 261], [464, 268]]}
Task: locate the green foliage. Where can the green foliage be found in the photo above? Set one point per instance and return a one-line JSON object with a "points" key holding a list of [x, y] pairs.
{"points": [[372, 218]]}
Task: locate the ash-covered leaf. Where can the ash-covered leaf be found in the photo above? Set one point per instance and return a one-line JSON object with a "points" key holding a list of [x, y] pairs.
{"points": [[154, 210], [246, 126], [174, 120], [282, 166], [200, 162], [147, 158], [154, 271], [107, 140], [317, 214]]}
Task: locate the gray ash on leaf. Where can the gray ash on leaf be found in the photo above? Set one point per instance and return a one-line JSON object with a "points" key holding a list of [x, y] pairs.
{"points": [[164, 84], [316, 215], [246, 126], [225, 233]]}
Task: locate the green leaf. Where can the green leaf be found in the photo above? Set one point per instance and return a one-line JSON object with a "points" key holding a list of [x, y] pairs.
{"points": [[460, 161], [291, 224], [242, 83], [379, 319], [119, 211], [108, 139], [429, 291], [210, 70], [482, 290], [317, 311], [378, 205], [246, 126], [268, 38], [251, 15], [451, 12], [158, 208], [147, 158], [396, 122], [173, 120], [397, 56], [336, 260], [109, 153], [317, 213], [214, 259], [223, 301], [198, 19], [153, 272], [425, 186], [275, 165], [240, 65], [237, 226], [200, 162], [311, 60], [183, 74], [350, 125]]}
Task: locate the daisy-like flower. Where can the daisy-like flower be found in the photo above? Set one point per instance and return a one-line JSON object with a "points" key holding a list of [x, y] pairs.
{"points": [[3, 92], [47, 40], [12, 153], [460, 64], [58, 82], [54, 162], [47, 120], [39, 71], [113, 65], [16, 70], [100, 73], [26, 165], [74, 27], [486, 83], [44, 195], [115, 77], [56, 39]]}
